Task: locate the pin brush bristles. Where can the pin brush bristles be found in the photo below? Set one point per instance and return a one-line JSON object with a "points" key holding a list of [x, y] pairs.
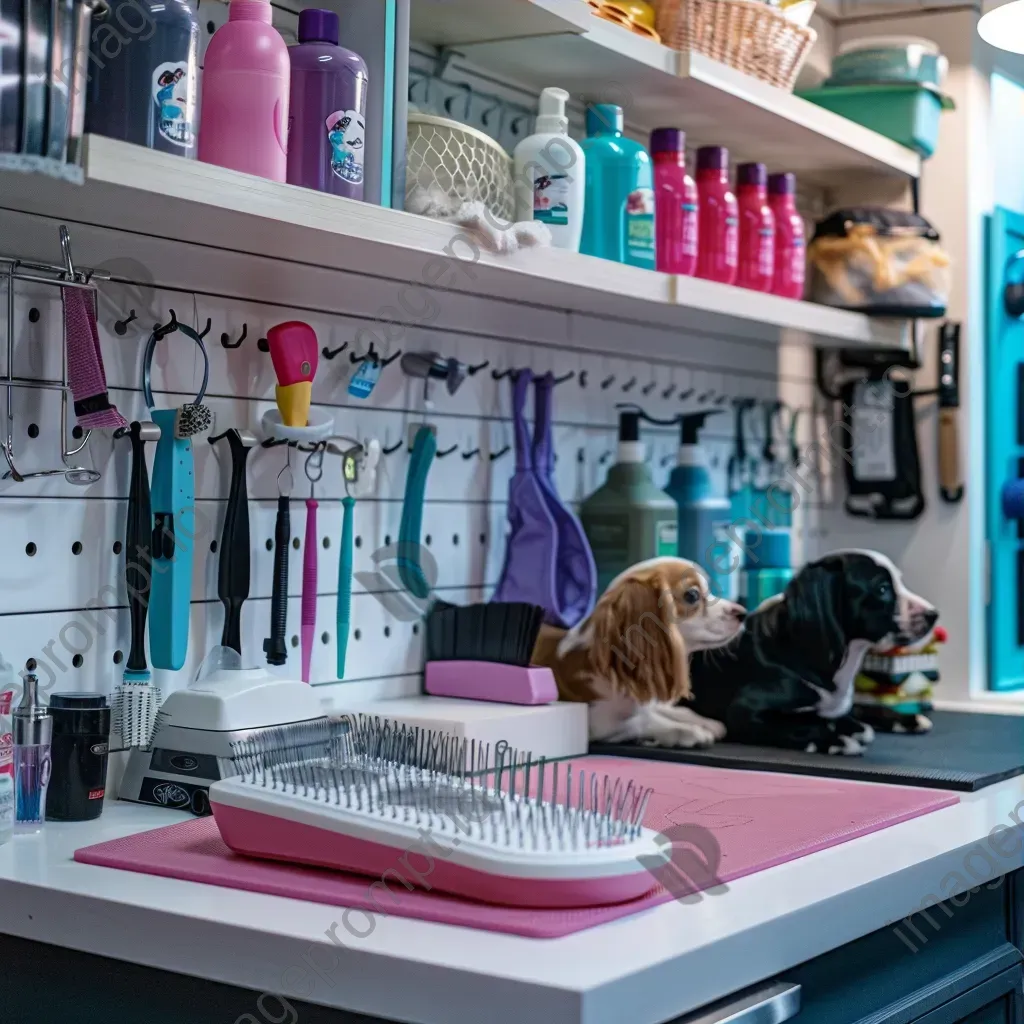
{"points": [[361, 794], [417, 775]]}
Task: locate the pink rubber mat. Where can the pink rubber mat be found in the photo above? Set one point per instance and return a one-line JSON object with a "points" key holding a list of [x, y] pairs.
{"points": [[757, 820]]}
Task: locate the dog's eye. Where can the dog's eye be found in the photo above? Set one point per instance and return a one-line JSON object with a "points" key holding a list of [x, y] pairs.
{"points": [[885, 589], [692, 596]]}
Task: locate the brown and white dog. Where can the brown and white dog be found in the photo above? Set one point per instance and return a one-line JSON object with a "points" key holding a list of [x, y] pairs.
{"points": [[629, 659]]}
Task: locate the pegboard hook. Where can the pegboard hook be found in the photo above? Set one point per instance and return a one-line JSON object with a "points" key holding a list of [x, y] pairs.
{"points": [[225, 338]]}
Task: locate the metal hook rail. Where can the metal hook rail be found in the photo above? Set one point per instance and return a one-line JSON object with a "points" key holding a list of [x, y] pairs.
{"points": [[64, 275]]}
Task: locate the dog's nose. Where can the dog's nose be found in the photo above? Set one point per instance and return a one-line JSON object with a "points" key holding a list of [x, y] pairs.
{"points": [[739, 612], [931, 617]]}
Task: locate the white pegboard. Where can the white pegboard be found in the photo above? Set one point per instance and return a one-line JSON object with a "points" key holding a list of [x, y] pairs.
{"points": [[59, 541]]}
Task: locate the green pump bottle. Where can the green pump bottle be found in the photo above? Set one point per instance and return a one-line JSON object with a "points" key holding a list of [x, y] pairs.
{"points": [[629, 519]]}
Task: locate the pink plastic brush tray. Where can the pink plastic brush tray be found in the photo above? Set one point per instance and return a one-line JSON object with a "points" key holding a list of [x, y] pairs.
{"points": [[757, 820]]}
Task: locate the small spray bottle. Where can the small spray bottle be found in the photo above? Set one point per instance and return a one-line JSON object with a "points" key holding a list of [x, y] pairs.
{"points": [[33, 730]]}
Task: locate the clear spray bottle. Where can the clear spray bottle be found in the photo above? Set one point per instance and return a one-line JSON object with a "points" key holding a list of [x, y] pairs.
{"points": [[33, 730]]}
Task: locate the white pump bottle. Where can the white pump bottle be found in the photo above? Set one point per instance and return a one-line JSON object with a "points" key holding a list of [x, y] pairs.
{"points": [[550, 176]]}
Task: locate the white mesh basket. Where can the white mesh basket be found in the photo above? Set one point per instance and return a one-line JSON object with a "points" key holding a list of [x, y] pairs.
{"points": [[462, 162]]}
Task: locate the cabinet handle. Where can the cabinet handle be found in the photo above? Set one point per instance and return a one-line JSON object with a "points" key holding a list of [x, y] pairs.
{"points": [[769, 1004]]}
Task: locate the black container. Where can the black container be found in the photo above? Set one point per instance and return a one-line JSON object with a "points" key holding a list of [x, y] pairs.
{"points": [[78, 752]]}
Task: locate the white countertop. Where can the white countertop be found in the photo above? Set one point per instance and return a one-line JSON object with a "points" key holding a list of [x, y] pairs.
{"points": [[646, 969]]}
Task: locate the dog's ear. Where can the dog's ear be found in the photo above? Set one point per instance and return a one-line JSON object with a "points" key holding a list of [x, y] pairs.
{"points": [[636, 644], [813, 604]]}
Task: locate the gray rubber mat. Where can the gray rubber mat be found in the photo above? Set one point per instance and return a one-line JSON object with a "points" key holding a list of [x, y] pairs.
{"points": [[964, 752]]}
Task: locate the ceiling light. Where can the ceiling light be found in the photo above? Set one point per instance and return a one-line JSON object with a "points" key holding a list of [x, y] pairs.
{"points": [[1004, 27]]}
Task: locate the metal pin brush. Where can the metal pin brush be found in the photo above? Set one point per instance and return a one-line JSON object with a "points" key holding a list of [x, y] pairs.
{"points": [[359, 794]]}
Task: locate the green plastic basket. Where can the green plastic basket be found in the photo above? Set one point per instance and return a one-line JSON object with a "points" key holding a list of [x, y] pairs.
{"points": [[908, 114]]}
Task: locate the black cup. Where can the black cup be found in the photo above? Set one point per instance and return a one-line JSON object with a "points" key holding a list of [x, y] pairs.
{"points": [[78, 752]]}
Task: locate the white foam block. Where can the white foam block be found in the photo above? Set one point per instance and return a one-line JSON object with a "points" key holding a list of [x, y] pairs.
{"points": [[549, 730]]}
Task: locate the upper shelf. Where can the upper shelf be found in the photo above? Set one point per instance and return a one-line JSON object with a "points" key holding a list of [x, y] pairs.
{"points": [[558, 42], [132, 188]]}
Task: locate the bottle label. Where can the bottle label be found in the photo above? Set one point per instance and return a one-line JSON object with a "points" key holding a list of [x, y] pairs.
{"points": [[171, 82], [6, 735], [640, 226], [346, 132], [797, 260], [6, 804], [689, 233], [668, 539], [551, 198], [732, 241], [766, 252]]}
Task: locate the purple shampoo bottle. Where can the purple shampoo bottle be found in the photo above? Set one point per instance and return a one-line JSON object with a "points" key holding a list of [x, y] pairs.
{"points": [[327, 113]]}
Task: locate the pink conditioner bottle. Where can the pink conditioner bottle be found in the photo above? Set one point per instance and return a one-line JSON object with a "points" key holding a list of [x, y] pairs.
{"points": [[243, 121], [790, 254], [717, 217], [757, 229], [675, 204]]}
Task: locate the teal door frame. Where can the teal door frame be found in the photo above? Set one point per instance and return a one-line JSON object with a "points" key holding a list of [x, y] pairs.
{"points": [[1004, 415]]}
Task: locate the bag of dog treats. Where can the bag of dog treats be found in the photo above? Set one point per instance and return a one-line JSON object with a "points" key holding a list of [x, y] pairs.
{"points": [[881, 262]]}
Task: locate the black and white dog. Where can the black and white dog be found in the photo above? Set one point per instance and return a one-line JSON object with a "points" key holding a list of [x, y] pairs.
{"points": [[787, 679]]}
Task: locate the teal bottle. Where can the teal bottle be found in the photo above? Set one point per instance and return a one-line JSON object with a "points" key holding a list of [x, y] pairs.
{"points": [[618, 215], [703, 516]]}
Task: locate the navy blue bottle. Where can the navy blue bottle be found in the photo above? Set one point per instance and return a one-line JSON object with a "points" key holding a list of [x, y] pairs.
{"points": [[143, 74]]}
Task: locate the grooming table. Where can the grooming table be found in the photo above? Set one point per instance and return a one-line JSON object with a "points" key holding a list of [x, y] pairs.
{"points": [[964, 752], [757, 821]]}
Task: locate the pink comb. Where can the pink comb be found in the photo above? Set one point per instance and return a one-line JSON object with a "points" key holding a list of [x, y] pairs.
{"points": [[293, 348], [309, 573]]}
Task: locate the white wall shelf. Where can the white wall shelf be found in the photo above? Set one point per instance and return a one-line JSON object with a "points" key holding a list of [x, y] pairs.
{"points": [[135, 189], [556, 42]]}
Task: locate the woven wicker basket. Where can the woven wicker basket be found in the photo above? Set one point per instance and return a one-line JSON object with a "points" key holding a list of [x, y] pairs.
{"points": [[745, 34], [460, 161]]}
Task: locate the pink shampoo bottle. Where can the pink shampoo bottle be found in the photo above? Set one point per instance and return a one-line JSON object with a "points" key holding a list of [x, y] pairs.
{"points": [[675, 204], [243, 119], [757, 229], [790, 245], [717, 217]]}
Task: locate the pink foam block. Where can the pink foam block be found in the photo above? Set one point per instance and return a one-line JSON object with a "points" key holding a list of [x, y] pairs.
{"points": [[758, 819], [488, 680]]}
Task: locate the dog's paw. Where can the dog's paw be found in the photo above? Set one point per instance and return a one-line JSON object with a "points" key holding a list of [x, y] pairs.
{"points": [[865, 735], [686, 736], [716, 728], [922, 723], [846, 746]]}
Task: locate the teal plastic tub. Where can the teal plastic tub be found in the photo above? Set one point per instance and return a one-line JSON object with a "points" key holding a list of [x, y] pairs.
{"points": [[908, 114]]}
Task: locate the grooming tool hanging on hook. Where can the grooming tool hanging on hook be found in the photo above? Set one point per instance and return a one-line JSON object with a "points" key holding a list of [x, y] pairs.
{"points": [[345, 568], [233, 576], [951, 476], [276, 645], [173, 499], [137, 700], [364, 380], [84, 357], [314, 472]]}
